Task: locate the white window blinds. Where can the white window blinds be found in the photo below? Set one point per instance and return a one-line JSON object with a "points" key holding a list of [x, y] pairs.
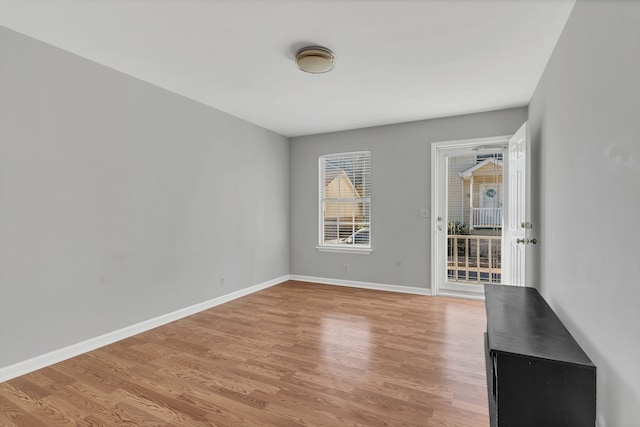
{"points": [[345, 200]]}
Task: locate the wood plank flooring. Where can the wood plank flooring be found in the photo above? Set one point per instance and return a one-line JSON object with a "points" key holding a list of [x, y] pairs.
{"points": [[296, 354]]}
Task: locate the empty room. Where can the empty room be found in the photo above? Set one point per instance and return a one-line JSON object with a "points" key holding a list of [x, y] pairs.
{"points": [[319, 213]]}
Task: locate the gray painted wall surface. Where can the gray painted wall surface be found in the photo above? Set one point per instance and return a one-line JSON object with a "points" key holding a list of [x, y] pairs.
{"points": [[120, 201], [585, 127], [401, 180]]}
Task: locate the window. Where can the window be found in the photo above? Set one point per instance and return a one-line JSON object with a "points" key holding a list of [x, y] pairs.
{"points": [[345, 201]]}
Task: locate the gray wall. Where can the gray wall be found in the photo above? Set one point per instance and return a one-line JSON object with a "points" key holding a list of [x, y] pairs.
{"points": [[401, 185], [120, 201], [585, 126]]}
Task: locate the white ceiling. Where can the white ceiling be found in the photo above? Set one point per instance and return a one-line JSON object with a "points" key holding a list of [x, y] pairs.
{"points": [[396, 60]]}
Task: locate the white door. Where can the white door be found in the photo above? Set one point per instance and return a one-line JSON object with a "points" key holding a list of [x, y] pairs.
{"points": [[517, 224]]}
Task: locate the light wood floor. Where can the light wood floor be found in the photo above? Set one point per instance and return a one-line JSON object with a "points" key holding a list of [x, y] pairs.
{"points": [[296, 354]]}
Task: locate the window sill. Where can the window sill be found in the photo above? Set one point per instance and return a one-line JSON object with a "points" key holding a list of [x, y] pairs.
{"points": [[343, 250]]}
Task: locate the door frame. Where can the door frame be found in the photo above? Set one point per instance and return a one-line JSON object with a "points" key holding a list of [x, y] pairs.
{"points": [[438, 254]]}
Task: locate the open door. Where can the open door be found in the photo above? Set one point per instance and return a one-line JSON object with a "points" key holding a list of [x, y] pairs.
{"points": [[471, 245], [517, 225]]}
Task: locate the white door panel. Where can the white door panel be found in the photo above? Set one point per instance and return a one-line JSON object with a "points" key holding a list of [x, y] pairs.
{"points": [[516, 215]]}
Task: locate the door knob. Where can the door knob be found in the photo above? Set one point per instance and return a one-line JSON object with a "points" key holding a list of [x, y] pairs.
{"points": [[525, 241]]}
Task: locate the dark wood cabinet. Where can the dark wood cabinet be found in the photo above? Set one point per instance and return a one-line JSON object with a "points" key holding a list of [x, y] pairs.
{"points": [[537, 374]]}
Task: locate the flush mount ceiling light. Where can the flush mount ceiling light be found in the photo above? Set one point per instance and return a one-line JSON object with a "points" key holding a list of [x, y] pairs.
{"points": [[315, 59]]}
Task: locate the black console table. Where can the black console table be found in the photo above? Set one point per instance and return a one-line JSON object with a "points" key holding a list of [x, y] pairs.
{"points": [[537, 374]]}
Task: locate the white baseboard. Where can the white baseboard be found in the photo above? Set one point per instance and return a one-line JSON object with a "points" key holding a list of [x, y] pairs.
{"points": [[38, 362], [364, 285], [465, 295]]}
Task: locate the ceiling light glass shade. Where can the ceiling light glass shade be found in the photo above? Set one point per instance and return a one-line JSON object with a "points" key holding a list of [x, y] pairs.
{"points": [[315, 59]]}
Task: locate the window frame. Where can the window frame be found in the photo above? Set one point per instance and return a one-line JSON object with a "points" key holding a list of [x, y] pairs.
{"points": [[341, 248]]}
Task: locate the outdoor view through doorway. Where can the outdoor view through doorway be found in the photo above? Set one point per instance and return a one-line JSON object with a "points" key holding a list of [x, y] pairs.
{"points": [[474, 216]]}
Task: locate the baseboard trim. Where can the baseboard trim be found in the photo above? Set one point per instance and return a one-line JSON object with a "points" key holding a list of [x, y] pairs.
{"points": [[363, 285], [47, 359], [464, 295]]}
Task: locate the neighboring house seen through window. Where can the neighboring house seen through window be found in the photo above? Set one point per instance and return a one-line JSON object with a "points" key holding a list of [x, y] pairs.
{"points": [[345, 201]]}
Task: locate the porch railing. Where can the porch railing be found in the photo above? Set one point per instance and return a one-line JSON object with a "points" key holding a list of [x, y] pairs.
{"points": [[474, 259], [485, 217]]}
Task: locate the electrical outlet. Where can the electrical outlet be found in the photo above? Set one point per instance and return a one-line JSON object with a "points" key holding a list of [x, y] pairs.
{"points": [[221, 280], [346, 267]]}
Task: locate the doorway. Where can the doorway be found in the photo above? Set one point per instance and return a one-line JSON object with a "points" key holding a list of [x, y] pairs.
{"points": [[478, 209]]}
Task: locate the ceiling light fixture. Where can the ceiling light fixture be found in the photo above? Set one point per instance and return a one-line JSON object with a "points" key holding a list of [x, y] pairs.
{"points": [[315, 59]]}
